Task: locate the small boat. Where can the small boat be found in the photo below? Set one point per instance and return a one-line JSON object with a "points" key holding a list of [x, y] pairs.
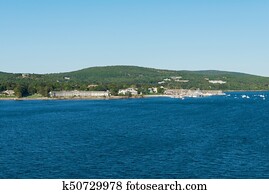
{"points": [[245, 96]]}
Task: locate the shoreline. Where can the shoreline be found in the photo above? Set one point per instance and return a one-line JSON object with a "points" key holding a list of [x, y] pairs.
{"points": [[245, 90], [86, 98], [72, 98], [109, 98]]}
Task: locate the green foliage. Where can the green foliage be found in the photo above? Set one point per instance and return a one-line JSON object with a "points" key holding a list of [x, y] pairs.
{"points": [[160, 90], [114, 78], [21, 91], [44, 90], [2, 87]]}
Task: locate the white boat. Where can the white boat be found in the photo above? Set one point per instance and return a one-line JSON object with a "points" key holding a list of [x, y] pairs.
{"points": [[245, 96]]}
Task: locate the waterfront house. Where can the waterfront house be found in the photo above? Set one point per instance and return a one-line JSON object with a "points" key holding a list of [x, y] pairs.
{"points": [[9, 92], [128, 90], [76, 93], [153, 90], [180, 93]]}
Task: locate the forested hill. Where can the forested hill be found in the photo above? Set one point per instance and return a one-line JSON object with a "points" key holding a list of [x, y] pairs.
{"points": [[115, 77], [141, 75]]}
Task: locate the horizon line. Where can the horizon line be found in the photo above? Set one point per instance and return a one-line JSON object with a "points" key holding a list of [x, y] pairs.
{"points": [[131, 65]]}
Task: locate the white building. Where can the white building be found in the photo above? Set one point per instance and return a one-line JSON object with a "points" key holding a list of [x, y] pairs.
{"points": [[182, 81], [176, 77], [217, 82], [153, 90], [9, 92], [167, 80], [92, 86], [128, 90], [76, 93], [25, 75]]}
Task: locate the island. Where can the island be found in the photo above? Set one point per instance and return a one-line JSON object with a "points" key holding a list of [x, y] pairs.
{"points": [[116, 82]]}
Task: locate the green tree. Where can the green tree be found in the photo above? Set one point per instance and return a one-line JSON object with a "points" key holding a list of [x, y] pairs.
{"points": [[160, 90], [44, 90], [2, 88], [32, 89], [20, 91]]}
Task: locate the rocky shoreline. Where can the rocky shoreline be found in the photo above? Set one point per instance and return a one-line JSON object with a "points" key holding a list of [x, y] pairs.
{"points": [[170, 94], [73, 98]]}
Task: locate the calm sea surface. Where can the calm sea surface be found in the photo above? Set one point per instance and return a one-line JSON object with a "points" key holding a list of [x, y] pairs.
{"points": [[213, 137]]}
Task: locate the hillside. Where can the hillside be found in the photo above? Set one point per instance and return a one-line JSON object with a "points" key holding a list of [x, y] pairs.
{"points": [[116, 74], [150, 76], [116, 77]]}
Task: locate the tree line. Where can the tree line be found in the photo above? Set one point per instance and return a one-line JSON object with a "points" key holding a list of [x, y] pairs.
{"points": [[24, 89]]}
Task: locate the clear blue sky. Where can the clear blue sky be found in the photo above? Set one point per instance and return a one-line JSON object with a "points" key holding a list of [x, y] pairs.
{"points": [[44, 36]]}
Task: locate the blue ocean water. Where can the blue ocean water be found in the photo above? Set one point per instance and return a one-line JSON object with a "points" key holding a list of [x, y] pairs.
{"points": [[213, 137]]}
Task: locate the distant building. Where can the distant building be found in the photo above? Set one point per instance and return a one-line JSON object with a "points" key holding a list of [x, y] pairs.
{"points": [[174, 92], [128, 90], [182, 81], [162, 82], [181, 93], [9, 92], [153, 90], [25, 75], [217, 82], [67, 78], [76, 93], [92, 86], [167, 79], [176, 77]]}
